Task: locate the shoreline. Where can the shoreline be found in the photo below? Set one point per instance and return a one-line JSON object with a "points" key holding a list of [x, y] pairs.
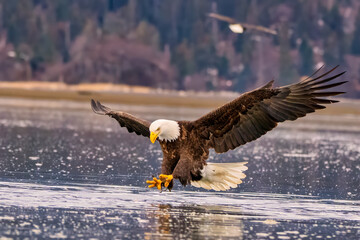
{"points": [[111, 93], [136, 95]]}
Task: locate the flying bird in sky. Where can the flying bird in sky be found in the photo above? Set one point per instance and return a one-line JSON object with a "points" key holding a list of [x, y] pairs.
{"points": [[186, 144], [238, 27]]}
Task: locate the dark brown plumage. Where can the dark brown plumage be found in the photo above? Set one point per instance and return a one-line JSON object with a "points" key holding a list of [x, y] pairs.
{"points": [[242, 120], [132, 123]]}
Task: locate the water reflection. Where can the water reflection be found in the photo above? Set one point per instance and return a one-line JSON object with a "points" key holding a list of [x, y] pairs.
{"points": [[191, 222], [88, 210]]}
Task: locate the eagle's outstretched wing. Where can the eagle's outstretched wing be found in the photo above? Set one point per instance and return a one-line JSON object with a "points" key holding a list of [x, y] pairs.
{"points": [[132, 123], [254, 113], [222, 18], [239, 27], [258, 28]]}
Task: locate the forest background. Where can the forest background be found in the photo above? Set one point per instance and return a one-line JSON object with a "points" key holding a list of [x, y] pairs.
{"points": [[175, 45]]}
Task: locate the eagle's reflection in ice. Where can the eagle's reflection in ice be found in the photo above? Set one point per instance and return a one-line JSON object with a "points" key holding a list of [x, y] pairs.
{"points": [[192, 222]]}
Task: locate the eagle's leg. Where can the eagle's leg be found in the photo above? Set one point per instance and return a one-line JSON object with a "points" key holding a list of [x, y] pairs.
{"points": [[155, 183], [166, 179]]}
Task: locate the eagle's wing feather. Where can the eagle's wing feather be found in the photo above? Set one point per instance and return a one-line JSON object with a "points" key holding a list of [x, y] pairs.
{"points": [[132, 123], [258, 28], [222, 18], [254, 113]]}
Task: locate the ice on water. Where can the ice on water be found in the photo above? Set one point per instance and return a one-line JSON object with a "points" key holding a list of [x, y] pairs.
{"points": [[66, 172]]}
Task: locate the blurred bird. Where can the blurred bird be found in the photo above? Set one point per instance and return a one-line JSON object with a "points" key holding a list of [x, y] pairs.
{"points": [[186, 144], [238, 27]]}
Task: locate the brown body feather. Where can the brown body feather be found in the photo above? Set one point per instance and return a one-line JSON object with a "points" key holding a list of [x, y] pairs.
{"points": [[185, 157], [242, 120]]}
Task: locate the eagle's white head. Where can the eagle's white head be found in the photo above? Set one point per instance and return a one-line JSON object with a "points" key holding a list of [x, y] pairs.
{"points": [[163, 129]]}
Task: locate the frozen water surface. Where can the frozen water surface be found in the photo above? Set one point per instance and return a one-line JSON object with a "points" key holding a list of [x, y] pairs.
{"points": [[68, 173]]}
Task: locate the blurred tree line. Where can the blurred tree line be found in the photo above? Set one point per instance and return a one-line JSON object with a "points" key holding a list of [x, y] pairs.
{"points": [[310, 33]]}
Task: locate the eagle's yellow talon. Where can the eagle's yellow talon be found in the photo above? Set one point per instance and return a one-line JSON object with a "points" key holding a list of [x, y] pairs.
{"points": [[166, 179], [154, 183]]}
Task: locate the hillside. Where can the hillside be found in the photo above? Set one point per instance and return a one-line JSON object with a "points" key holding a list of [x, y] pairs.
{"points": [[174, 45]]}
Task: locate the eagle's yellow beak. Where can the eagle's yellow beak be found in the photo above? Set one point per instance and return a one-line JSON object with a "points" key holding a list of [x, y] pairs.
{"points": [[153, 136]]}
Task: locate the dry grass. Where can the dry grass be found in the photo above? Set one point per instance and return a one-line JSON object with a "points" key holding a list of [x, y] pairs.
{"points": [[108, 93], [137, 95]]}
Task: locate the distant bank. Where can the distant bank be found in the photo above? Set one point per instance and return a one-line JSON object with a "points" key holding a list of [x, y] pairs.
{"points": [[138, 95]]}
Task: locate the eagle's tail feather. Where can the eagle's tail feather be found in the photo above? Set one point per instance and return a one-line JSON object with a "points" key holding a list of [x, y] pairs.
{"points": [[221, 176]]}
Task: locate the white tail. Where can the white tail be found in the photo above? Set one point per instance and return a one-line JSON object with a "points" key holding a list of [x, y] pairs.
{"points": [[221, 176]]}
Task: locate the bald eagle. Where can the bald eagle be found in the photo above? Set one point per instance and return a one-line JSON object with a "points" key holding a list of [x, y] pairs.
{"points": [[186, 144], [238, 27]]}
